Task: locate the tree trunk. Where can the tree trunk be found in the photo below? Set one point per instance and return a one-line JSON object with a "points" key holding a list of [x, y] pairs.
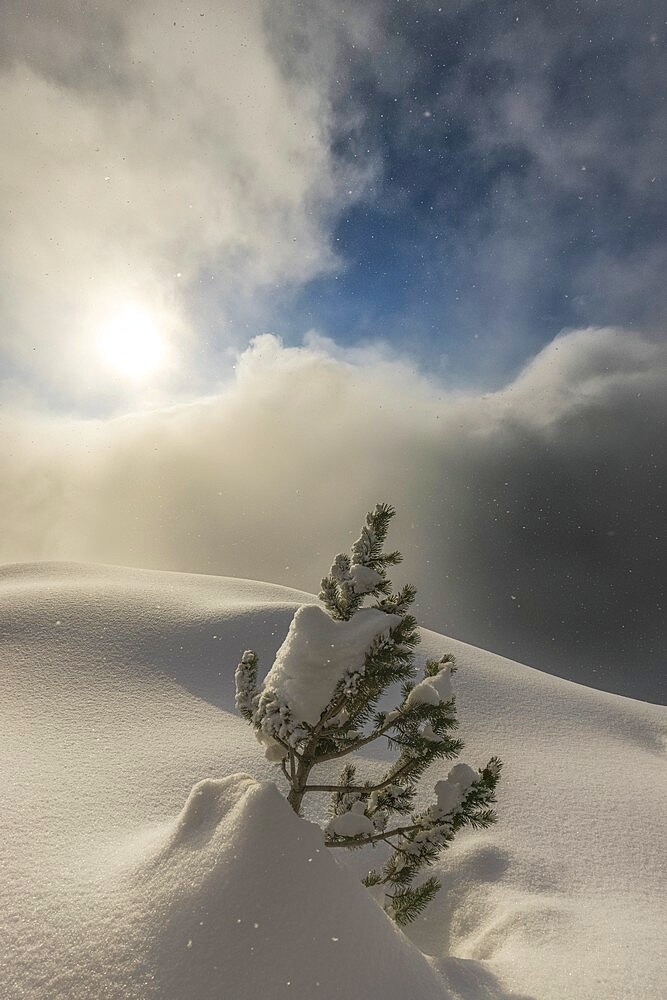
{"points": [[298, 785]]}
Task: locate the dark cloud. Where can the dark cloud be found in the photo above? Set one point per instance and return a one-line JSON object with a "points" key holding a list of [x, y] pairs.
{"points": [[530, 518]]}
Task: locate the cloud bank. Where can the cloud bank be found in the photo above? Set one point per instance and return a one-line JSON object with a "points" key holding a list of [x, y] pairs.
{"points": [[529, 518]]}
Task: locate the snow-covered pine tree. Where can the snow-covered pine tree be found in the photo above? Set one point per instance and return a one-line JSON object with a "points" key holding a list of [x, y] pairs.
{"points": [[319, 702]]}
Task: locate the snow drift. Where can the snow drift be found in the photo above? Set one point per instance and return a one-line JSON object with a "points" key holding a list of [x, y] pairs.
{"points": [[252, 904], [137, 862]]}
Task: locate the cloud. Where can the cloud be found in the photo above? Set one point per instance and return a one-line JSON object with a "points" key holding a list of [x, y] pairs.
{"points": [[529, 517], [154, 152], [575, 108], [529, 148]]}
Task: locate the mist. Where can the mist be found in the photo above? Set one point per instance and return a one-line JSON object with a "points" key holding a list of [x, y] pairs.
{"points": [[529, 518]]}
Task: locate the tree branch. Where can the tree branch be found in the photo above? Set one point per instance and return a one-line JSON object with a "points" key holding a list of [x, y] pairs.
{"points": [[361, 788], [373, 838], [375, 735]]}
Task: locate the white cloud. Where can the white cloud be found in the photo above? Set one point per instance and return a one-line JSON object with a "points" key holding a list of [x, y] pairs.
{"points": [[151, 148], [528, 517]]}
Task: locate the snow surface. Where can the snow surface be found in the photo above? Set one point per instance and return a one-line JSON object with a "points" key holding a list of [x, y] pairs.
{"points": [[137, 862], [318, 652]]}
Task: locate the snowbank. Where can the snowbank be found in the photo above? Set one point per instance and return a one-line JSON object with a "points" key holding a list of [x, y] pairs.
{"points": [[246, 902]]}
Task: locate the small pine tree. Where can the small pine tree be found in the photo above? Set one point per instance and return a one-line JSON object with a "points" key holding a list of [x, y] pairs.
{"points": [[319, 702]]}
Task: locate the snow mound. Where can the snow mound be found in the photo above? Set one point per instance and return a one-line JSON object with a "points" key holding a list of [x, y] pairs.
{"points": [[245, 901], [208, 805]]}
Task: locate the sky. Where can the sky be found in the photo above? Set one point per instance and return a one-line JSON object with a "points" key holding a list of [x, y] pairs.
{"points": [[262, 265]]}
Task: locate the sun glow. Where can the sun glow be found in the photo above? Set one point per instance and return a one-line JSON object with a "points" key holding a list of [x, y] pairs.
{"points": [[131, 343]]}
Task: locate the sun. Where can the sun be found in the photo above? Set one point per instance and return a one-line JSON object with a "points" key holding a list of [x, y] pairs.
{"points": [[131, 344]]}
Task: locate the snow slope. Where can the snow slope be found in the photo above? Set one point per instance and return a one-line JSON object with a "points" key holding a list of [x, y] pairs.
{"points": [[137, 862]]}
